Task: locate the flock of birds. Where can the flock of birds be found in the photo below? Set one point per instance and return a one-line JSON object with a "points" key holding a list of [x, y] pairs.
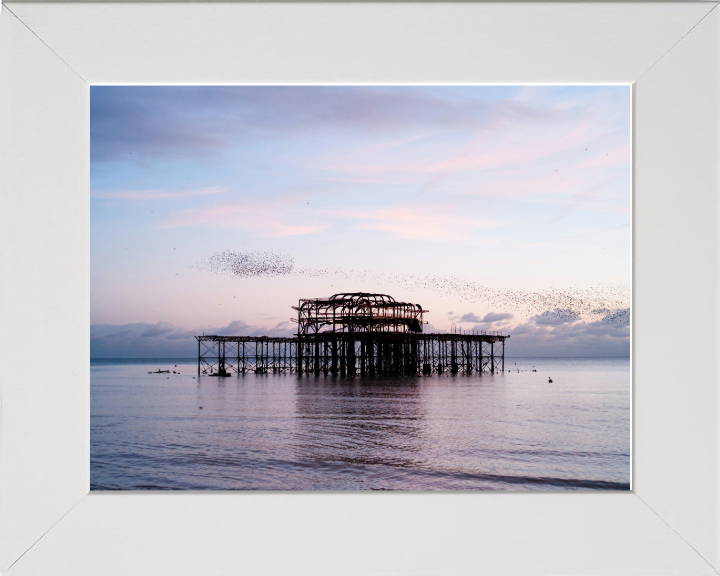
{"points": [[251, 264], [605, 302]]}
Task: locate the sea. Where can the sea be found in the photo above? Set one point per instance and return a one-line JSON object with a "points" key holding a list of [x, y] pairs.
{"points": [[512, 430]]}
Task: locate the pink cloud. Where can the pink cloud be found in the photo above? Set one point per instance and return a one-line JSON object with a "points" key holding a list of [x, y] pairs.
{"points": [[267, 219], [585, 180], [496, 147], [440, 222]]}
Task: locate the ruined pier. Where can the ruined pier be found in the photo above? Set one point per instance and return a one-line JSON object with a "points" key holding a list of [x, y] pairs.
{"points": [[354, 334]]}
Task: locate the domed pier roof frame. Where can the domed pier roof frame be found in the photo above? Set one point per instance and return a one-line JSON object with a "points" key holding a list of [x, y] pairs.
{"points": [[358, 312]]}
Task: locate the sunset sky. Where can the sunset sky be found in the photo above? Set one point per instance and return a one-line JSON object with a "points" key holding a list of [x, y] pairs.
{"points": [[517, 187]]}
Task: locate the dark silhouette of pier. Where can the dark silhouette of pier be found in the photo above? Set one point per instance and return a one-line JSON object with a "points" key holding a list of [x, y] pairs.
{"points": [[354, 334]]}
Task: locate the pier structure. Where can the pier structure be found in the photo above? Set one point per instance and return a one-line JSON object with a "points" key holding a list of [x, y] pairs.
{"points": [[355, 334], [357, 312]]}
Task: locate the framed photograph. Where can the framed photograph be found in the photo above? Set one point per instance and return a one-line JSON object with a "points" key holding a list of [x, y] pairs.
{"points": [[409, 231], [337, 97]]}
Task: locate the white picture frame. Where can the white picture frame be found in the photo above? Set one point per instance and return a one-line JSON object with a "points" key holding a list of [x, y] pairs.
{"points": [[50, 523]]}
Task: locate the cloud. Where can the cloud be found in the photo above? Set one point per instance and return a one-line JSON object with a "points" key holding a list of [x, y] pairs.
{"points": [[497, 317], [514, 149], [425, 221], [159, 329], [470, 317], [268, 218], [135, 123], [165, 340], [289, 217], [583, 339], [489, 318], [557, 333], [154, 194], [556, 316], [617, 315]]}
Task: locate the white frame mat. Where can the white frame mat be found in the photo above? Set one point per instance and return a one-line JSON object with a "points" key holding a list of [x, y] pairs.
{"points": [[49, 522]]}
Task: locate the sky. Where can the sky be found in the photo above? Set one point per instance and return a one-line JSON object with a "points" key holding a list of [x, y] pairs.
{"points": [[390, 189]]}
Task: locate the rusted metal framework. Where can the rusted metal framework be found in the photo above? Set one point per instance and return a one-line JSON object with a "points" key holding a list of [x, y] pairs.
{"points": [[358, 312], [354, 333], [353, 353], [223, 355]]}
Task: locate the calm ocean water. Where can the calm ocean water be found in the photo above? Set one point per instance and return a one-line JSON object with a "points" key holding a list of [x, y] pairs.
{"points": [[510, 431]]}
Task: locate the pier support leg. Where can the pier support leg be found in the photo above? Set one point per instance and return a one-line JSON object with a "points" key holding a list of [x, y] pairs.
{"points": [[334, 352], [343, 357], [221, 357], [453, 357], [317, 357]]}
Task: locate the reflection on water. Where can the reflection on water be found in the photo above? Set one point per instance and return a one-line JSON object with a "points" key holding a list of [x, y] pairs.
{"points": [[367, 421], [509, 431]]}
